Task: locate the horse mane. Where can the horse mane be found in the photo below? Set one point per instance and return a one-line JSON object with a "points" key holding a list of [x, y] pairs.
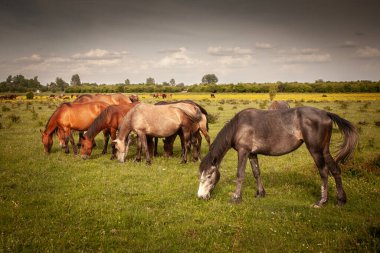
{"points": [[221, 144], [98, 124], [54, 114]]}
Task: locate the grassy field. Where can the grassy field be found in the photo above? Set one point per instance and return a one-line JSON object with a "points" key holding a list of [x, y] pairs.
{"points": [[61, 203]]}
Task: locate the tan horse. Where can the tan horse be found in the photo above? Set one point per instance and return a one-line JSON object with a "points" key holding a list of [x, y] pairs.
{"points": [[68, 117], [157, 121], [111, 99]]}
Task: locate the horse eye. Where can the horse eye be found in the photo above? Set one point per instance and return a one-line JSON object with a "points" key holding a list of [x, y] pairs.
{"points": [[209, 176]]}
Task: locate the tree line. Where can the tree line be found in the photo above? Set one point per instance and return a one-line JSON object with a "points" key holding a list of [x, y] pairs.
{"points": [[19, 83]]}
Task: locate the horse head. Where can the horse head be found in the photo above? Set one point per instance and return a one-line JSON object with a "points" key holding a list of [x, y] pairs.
{"points": [[209, 177], [86, 145], [47, 140], [120, 149]]}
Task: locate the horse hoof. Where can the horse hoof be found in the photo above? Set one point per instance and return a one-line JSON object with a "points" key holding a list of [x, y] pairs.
{"points": [[234, 200], [148, 163], [113, 157], [183, 162], [137, 160], [260, 194], [316, 206]]}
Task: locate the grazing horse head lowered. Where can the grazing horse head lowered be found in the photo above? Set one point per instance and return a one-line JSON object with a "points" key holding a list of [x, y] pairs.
{"points": [[157, 121], [253, 132]]}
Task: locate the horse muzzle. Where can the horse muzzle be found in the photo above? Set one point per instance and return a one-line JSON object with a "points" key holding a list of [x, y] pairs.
{"points": [[85, 157]]}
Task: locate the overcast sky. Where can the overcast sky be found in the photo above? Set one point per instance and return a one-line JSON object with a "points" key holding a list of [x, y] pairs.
{"points": [[238, 40]]}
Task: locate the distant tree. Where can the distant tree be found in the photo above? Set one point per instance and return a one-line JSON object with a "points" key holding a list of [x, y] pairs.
{"points": [[180, 85], [150, 80], [172, 82], [272, 91], [75, 80], [61, 84], [127, 82], [165, 84], [9, 79], [209, 78], [120, 88]]}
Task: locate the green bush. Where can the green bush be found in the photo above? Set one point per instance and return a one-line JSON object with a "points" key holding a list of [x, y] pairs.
{"points": [[29, 95]]}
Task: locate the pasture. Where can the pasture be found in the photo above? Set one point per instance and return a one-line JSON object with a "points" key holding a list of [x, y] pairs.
{"points": [[61, 203]]}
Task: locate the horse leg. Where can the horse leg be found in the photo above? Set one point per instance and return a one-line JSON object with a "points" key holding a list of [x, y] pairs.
{"points": [[335, 171], [113, 137], [81, 136], [67, 139], [256, 173], [138, 155], [197, 143], [186, 145], [143, 140], [155, 153], [150, 143], [242, 162], [75, 148], [323, 172], [106, 135]]}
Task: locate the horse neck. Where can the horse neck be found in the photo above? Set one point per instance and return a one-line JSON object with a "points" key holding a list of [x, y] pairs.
{"points": [[52, 124], [124, 130], [98, 125], [223, 141]]}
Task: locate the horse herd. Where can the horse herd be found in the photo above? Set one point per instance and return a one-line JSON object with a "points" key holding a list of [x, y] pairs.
{"points": [[251, 132]]}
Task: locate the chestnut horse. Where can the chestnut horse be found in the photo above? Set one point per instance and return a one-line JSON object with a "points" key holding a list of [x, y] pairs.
{"points": [[203, 127], [70, 116], [277, 132], [108, 120], [278, 105], [111, 99], [157, 121]]}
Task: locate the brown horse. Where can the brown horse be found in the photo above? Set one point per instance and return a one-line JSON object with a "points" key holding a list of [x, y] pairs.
{"points": [[111, 99], [108, 120], [70, 116], [278, 105], [203, 128], [253, 132], [157, 121]]}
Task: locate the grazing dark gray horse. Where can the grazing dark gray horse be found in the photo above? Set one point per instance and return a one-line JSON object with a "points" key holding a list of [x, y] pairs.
{"points": [[278, 105], [274, 133]]}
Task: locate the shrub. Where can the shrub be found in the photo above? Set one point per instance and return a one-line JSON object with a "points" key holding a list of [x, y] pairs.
{"points": [[5, 108], [14, 118], [212, 118], [29, 95]]}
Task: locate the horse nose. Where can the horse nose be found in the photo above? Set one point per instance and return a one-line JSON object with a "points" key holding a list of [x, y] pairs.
{"points": [[205, 196], [84, 157]]}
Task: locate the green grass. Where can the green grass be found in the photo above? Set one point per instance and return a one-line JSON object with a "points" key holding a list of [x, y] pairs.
{"points": [[61, 203]]}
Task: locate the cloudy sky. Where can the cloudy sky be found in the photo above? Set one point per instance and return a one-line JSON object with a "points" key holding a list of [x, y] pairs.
{"points": [[238, 40]]}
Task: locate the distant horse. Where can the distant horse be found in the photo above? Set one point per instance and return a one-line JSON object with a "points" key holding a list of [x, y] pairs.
{"points": [[157, 121], [203, 127], [108, 120], [278, 105], [212, 95], [277, 132], [111, 99], [67, 117]]}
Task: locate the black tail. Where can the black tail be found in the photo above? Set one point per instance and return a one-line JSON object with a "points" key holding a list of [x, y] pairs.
{"points": [[350, 139]]}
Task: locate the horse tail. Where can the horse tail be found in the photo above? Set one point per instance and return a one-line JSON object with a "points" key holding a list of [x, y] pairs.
{"points": [[350, 137]]}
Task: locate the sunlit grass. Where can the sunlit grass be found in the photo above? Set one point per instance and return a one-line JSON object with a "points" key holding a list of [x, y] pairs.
{"points": [[61, 203]]}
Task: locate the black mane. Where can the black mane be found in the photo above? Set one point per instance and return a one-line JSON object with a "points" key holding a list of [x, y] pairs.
{"points": [[221, 144], [97, 125]]}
